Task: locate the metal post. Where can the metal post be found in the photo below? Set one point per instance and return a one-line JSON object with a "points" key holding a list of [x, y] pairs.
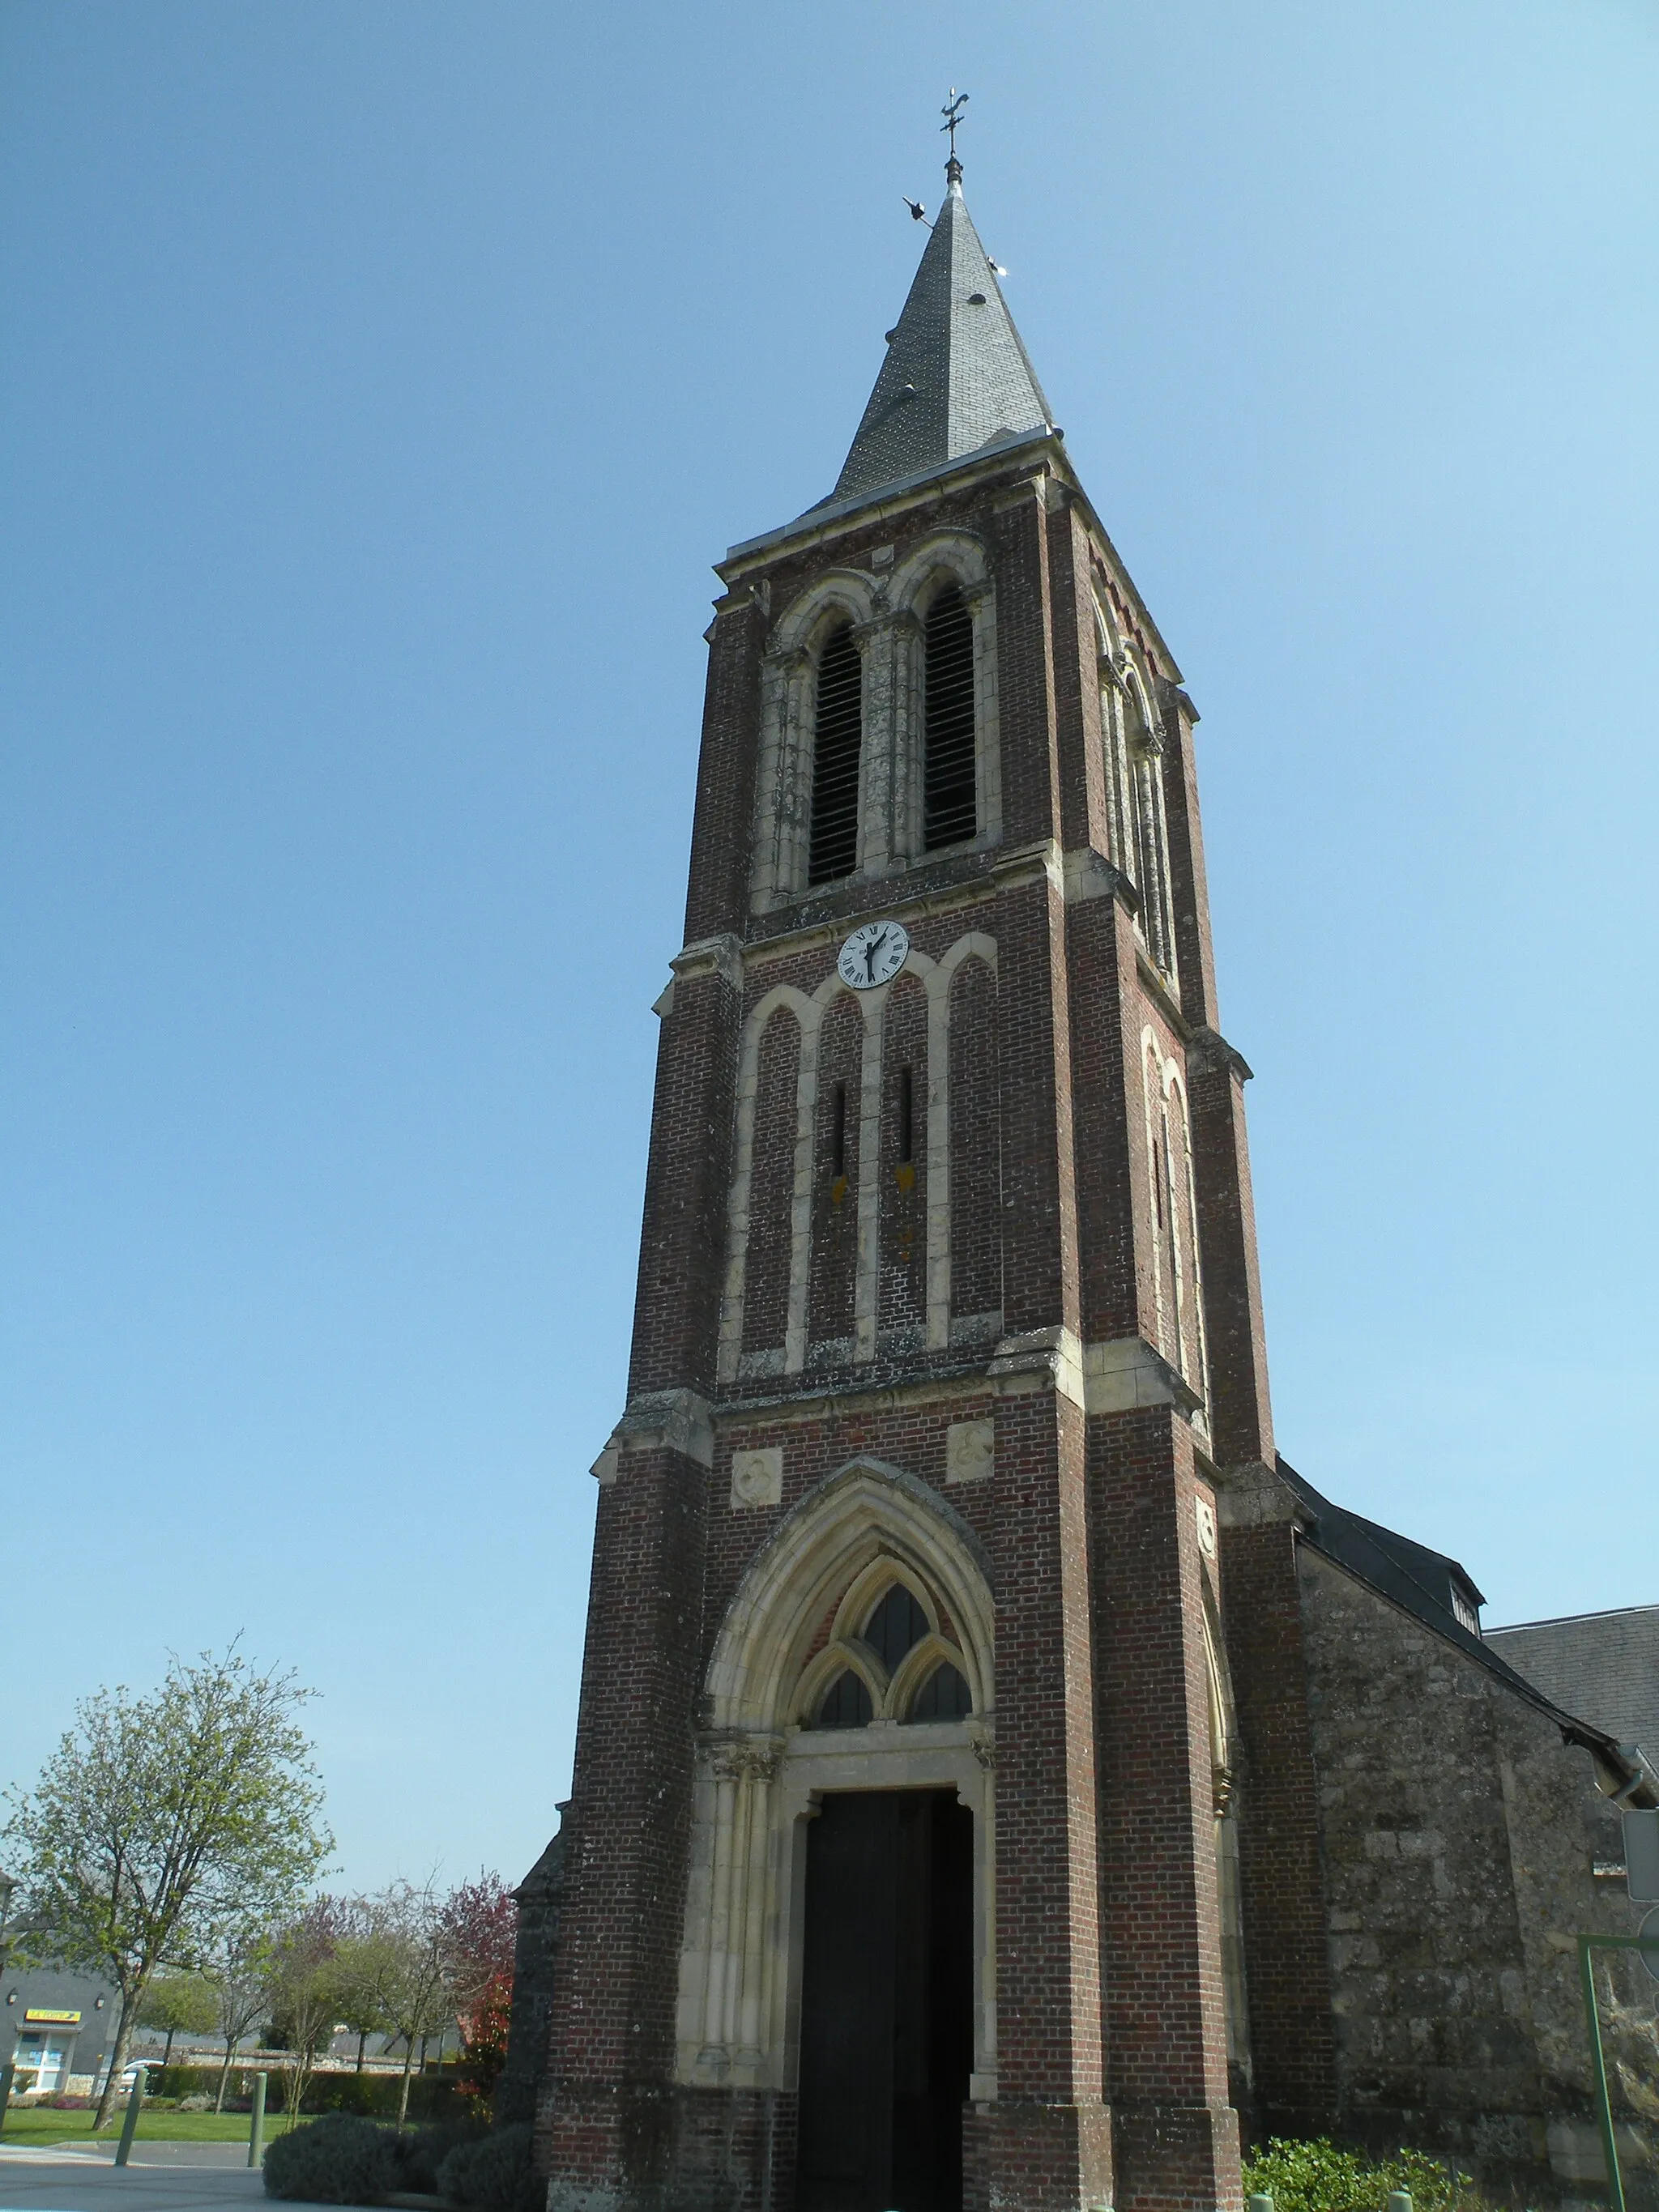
{"points": [[129, 2124], [1260, 2202], [1599, 2070], [256, 2134], [6, 2074], [1400, 2200]]}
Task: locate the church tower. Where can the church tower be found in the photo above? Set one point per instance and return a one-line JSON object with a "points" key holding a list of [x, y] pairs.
{"points": [[899, 1862]]}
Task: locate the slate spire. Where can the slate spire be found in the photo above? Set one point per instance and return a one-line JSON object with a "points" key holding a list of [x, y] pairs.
{"points": [[957, 376]]}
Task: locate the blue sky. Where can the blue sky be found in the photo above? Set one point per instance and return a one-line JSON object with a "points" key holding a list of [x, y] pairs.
{"points": [[377, 383]]}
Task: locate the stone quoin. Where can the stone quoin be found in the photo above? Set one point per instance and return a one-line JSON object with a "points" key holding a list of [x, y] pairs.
{"points": [[984, 1735]]}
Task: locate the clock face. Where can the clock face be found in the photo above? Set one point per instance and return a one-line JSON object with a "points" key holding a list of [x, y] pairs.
{"points": [[873, 954]]}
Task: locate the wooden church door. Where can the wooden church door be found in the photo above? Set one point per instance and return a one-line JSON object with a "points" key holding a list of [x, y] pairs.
{"points": [[886, 2040]]}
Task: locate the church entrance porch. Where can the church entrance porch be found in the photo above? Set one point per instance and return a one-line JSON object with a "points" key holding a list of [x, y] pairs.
{"points": [[886, 2029]]}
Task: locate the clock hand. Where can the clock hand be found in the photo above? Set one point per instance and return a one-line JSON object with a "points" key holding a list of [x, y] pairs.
{"points": [[870, 952]]}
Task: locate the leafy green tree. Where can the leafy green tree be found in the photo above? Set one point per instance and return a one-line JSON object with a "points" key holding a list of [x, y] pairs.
{"points": [[415, 1992], [159, 1823], [174, 2002], [304, 1986], [367, 1962], [240, 1968]]}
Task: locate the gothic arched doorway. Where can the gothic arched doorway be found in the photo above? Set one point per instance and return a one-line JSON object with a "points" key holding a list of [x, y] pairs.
{"points": [[840, 1927]]}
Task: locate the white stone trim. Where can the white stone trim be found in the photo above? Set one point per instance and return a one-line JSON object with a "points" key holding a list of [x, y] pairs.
{"points": [[760, 1776], [936, 978], [883, 609], [1163, 1078]]}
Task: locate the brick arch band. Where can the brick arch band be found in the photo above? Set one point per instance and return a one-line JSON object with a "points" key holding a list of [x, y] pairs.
{"points": [[761, 1776], [809, 1013]]}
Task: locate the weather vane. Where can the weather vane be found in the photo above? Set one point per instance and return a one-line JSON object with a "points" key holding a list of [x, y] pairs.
{"points": [[953, 115]]}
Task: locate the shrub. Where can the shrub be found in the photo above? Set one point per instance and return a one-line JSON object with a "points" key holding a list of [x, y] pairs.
{"points": [[494, 2173], [421, 2151], [1320, 2176], [335, 2161]]}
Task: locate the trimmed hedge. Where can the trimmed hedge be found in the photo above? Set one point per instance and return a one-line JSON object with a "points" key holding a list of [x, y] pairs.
{"points": [[432, 2096], [494, 2173], [343, 2159], [335, 2160]]}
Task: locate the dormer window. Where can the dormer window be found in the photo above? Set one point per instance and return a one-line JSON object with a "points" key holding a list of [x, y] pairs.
{"points": [[949, 807], [837, 745]]}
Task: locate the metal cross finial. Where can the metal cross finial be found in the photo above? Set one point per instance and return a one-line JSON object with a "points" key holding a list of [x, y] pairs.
{"points": [[953, 115]]}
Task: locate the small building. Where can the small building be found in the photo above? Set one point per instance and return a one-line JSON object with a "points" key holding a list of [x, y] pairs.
{"points": [[58, 2029]]}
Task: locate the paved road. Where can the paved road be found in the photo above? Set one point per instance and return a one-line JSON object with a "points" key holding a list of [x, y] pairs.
{"points": [[161, 2178]]}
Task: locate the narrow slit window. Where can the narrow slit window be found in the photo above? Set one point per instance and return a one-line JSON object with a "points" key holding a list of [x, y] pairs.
{"points": [[838, 739], [950, 806], [838, 1131], [907, 1128]]}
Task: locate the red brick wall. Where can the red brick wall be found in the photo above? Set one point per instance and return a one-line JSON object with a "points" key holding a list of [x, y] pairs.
{"points": [[975, 1147], [902, 1281], [832, 1281], [629, 1829], [1281, 1881], [772, 1184]]}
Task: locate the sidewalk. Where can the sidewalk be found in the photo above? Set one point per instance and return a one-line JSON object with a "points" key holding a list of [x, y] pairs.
{"points": [[161, 2178]]}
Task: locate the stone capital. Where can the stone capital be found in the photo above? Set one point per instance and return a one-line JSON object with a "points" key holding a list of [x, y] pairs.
{"points": [[1211, 1051], [711, 956]]}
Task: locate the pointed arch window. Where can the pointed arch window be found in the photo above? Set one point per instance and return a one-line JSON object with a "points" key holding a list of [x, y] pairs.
{"points": [[846, 1703], [897, 1625], [1151, 855], [893, 1654], [950, 799], [837, 745], [943, 1696]]}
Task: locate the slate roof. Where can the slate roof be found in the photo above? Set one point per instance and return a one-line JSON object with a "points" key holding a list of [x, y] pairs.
{"points": [[956, 377], [1424, 1583], [1604, 1665]]}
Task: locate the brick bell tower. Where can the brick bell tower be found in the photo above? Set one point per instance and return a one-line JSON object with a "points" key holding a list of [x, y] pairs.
{"points": [[900, 1859]]}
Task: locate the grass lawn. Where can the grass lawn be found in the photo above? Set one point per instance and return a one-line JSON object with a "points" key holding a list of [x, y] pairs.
{"points": [[43, 2125]]}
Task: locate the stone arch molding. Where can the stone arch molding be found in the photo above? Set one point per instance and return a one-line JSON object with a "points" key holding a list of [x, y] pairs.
{"points": [[808, 1009], [885, 608], [761, 1776], [864, 1512]]}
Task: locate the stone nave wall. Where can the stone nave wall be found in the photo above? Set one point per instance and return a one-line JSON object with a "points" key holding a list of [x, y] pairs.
{"points": [[1460, 1836]]}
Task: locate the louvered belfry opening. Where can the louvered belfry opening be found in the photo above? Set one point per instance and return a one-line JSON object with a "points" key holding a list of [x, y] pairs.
{"points": [[949, 812], [838, 741]]}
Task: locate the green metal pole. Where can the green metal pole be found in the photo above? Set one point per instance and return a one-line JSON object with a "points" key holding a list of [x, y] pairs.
{"points": [[129, 2124], [256, 2134], [1260, 2202], [1599, 2073], [1400, 2200], [6, 2074]]}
